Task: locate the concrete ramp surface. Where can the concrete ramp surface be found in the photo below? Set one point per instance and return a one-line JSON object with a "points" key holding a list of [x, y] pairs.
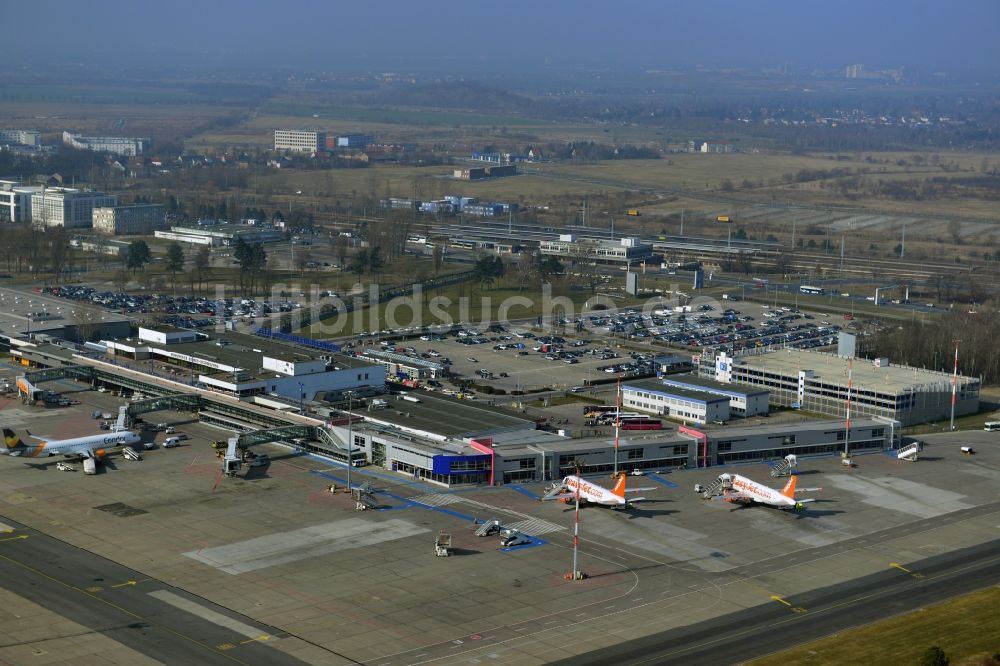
{"points": [[314, 541]]}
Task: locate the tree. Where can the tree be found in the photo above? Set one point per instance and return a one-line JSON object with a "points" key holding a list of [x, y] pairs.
{"points": [[487, 270], [202, 259], [58, 250], [548, 267], [175, 262], [138, 256], [359, 263], [934, 656], [340, 250], [438, 257]]}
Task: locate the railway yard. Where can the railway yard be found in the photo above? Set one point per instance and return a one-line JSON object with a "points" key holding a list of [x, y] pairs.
{"points": [[162, 557]]}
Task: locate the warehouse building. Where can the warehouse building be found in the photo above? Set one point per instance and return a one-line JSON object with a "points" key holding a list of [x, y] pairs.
{"points": [[222, 234], [742, 402], [818, 382], [673, 402]]}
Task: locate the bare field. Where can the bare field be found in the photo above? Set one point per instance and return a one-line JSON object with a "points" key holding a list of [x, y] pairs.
{"points": [[139, 119]]}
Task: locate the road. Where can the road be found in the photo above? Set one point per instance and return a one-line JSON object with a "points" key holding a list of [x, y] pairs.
{"points": [[144, 614], [763, 630]]}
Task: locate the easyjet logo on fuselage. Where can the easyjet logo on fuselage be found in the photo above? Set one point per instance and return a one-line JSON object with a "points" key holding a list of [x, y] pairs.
{"points": [[584, 487], [749, 486]]}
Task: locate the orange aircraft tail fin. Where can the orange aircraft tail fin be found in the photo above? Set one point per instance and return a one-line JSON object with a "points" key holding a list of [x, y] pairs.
{"points": [[619, 488], [789, 489]]}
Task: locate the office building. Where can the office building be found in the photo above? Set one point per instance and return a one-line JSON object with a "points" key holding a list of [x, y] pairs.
{"points": [[20, 137], [129, 220], [681, 404], [67, 207], [299, 141], [15, 201], [743, 402], [622, 251], [118, 145]]}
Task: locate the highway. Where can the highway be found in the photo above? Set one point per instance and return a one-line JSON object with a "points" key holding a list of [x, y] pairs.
{"points": [[144, 614], [763, 630]]}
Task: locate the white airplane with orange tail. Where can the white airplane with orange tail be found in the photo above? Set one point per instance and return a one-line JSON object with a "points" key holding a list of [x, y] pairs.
{"points": [[591, 493], [741, 490], [88, 446]]}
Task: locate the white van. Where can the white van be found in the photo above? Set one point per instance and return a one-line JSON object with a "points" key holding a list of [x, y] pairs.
{"points": [[171, 442]]}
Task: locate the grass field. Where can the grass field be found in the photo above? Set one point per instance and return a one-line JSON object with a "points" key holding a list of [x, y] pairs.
{"points": [[964, 628]]}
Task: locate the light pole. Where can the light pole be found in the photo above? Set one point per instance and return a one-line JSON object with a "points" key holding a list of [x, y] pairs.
{"points": [[954, 387], [302, 396], [350, 436]]}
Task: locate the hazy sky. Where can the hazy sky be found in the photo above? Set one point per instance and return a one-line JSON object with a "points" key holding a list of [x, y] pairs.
{"points": [[467, 35]]}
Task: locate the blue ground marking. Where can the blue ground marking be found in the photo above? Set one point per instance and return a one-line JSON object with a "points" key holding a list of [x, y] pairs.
{"points": [[891, 453], [411, 504], [365, 471], [524, 491], [660, 479]]}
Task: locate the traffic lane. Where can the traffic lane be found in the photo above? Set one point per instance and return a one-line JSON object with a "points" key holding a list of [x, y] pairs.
{"points": [[116, 601], [786, 622]]}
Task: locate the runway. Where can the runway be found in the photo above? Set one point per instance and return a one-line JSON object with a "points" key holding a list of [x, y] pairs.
{"points": [[146, 615], [763, 630]]}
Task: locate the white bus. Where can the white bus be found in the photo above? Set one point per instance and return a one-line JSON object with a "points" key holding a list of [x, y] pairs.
{"points": [[806, 289], [991, 426]]}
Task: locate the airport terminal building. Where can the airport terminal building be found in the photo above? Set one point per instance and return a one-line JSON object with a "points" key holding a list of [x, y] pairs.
{"points": [[246, 365], [818, 382]]}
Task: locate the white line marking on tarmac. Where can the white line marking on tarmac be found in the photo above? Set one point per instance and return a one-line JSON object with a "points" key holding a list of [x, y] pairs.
{"points": [[197, 609]]}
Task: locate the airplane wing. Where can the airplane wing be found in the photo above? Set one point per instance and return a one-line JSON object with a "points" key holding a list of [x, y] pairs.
{"points": [[804, 501], [639, 490], [633, 500], [38, 437], [808, 490]]}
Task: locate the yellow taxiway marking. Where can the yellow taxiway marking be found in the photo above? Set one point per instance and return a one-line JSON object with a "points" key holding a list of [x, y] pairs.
{"points": [[897, 565], [96, 588], [262, 637], [130, 583], [16, 538], [781, 600]]}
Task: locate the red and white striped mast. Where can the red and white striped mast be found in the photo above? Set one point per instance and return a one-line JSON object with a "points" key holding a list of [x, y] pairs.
{"points": [[954, 386], [618, 423], [847, 422]]}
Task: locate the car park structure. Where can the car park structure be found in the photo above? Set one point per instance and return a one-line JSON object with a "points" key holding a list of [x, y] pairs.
{"points": [[818, 382]]}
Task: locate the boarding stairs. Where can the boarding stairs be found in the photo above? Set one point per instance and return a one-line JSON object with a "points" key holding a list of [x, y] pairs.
{"points": [[784, 468], [554, 491], [364, 497], [721, 484], [909, 452], [492, 526]]}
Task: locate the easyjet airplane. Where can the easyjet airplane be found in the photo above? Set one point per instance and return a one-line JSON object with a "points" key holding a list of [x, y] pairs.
{"points": [[741, 490], [89, 446], [591, 493]]}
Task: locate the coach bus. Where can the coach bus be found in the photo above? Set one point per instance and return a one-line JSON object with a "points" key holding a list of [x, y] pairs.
{"points": [[641, 423], [817, 291]]}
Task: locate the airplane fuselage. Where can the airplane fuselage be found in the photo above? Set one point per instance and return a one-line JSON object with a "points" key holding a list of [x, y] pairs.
{"points": [[592, 493], [87, 446], [748, 491]]}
